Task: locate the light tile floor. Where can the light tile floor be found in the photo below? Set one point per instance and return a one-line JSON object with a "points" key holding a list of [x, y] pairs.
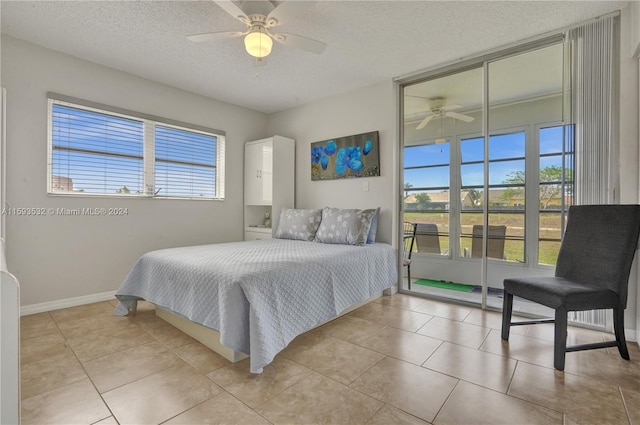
{"points": [[397, 360]]}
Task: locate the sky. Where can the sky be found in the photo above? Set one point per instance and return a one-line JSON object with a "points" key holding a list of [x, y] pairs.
{"points": [[506, 155]]}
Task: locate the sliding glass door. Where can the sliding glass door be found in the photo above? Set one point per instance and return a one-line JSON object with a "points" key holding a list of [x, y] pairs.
{"points": [[436, 113], [529, 161], [487, 158]]}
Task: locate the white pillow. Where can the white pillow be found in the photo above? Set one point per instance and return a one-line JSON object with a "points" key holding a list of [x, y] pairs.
{"points": [[299, 224], [344, 226]]}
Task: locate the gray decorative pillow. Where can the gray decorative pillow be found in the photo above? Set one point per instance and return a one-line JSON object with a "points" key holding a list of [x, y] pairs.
{"points": [[373, 230], [342, 226], [298, 224]]}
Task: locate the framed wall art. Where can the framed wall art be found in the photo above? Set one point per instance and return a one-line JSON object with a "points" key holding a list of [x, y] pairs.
{"points": [[346, 157]]}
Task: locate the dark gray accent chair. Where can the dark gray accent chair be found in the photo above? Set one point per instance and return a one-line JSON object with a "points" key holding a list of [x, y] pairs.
{"points": [[592, 272]]}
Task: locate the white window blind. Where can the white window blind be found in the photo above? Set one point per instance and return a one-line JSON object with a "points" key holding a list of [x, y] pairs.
{"points": [[185, 163], [93, 151]]}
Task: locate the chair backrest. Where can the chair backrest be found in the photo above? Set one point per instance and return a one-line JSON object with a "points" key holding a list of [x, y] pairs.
{"points": [[409, 238], [598, 246], [427, 238], [495, 241]]}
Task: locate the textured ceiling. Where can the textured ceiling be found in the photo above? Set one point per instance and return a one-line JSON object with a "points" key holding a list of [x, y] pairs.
{"points": [[368, 41]]}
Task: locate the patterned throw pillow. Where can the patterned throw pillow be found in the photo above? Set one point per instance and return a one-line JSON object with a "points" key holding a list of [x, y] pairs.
{"points": [[299, 224], [344, 226]]}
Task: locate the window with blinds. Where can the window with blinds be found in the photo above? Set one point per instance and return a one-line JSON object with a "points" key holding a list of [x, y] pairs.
{"points": [[94, 151], [185, 163]]}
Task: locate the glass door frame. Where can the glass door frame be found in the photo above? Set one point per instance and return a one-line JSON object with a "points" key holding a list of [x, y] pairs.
{"points": [[483, 61]]}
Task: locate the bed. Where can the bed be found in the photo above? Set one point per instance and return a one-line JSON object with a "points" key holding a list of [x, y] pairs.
{"points": [[259, 295]]}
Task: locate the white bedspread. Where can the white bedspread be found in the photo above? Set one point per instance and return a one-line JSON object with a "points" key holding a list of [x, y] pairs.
{"points": [[259, 294]]}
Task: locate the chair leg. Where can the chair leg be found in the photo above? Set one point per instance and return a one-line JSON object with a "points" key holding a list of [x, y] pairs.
{"points": [[560, 339], [507, 308], [618, 326], [409, 276]]}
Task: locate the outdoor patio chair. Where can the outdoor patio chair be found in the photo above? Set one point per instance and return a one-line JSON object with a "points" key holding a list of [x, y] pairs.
{"points": [[427, 238], [409, 236], [592, 272], [495, 242]]}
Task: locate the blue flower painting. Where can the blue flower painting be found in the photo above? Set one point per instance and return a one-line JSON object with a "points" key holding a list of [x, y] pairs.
{"points": [[330, 148], [324, 161], [346, 157], [316, 154], [368, 145]]}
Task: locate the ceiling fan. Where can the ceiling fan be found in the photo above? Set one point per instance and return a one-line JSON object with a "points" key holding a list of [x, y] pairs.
{"points": [[439, 108], [258, 39]]}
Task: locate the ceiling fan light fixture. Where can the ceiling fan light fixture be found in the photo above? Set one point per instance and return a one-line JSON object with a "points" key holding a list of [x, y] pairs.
{"points": [[258, 43]]}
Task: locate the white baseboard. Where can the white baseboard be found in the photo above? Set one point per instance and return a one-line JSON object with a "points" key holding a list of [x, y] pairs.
{"points": [[391, 291], [68, 302], [631, 335]]}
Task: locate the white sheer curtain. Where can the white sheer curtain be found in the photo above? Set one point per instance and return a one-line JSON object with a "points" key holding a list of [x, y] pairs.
{"points": [[594, 111], [595, 116]]}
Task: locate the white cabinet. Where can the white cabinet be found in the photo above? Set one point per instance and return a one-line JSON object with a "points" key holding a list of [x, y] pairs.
{"points": [[269, 186], [258, 173]]}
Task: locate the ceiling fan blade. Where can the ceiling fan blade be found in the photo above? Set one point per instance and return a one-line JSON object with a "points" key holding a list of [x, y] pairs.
{"points": [[208, 36], [232, 9], [465, 118], [302, 43], [424, 122], [285, 11]]}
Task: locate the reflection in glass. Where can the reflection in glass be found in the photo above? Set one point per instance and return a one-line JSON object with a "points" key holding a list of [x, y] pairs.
{"points": [[556, 189], [426, 177], [504, 146], [506, 172]]}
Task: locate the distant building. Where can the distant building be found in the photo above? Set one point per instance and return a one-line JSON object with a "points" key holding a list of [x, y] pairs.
{"points": [[61, 184], [438, 201], [552, 203], [497, 199]]}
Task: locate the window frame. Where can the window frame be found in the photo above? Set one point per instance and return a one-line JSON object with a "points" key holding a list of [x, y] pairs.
{"points": [[564, 209], [426, 189], [149, 123], [531, 210], [527, 159]]}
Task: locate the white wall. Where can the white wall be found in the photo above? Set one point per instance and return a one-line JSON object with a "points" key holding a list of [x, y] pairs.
{"points": [[360, 111], [61, 257], [634, 12]]}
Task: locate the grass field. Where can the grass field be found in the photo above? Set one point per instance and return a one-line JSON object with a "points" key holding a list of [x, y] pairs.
{"points": [[514, 249]]}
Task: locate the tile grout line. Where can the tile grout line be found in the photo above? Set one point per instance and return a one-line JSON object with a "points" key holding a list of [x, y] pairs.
{"points": [[86, 374], [624, 403], [446, 400]]}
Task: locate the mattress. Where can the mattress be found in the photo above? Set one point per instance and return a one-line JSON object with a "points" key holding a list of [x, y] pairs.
{"points": [[259, 295]]}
